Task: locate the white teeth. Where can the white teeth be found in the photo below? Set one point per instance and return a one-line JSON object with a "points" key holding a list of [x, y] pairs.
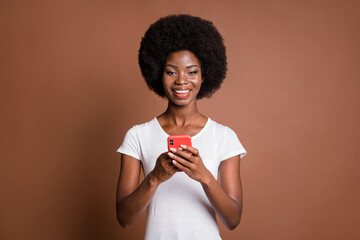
{"points": [[182, 91]]}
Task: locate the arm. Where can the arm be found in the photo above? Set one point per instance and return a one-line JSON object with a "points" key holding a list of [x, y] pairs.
{"points": [[227, 198], [132, 199]]}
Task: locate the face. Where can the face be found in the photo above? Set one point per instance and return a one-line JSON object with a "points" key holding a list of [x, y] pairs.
{"points": [[182, 77]]}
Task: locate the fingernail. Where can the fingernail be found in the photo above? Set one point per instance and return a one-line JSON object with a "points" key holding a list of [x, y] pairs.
{"points": [[170, 154], [173, 149], [174, 162], [183, 146]]}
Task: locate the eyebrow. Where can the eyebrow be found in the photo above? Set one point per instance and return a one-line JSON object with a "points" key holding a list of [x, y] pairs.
{"points": [[190, 66]]}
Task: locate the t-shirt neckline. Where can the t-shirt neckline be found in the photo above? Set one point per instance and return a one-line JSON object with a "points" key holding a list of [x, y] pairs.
{"points": [[195, 136]]}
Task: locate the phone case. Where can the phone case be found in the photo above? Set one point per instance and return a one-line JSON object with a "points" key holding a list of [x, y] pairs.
{"points": [[176, 140]]}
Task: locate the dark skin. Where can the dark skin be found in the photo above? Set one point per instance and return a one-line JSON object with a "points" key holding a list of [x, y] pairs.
{"points": [[182, 81]]}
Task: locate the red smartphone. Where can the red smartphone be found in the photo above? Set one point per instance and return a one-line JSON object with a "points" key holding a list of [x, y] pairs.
{"points": [[175, 141]]}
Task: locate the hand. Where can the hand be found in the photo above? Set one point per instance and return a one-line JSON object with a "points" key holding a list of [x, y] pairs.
{"points": [[163, 169], [187, 159]]}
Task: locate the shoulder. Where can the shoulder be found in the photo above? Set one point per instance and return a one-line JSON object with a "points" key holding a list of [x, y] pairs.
{"points": [[134, 137], [220, 128], [228, 139], [143, 127]]}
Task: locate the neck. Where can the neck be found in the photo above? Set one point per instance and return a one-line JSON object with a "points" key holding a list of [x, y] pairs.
{"points": [[181, 115]]}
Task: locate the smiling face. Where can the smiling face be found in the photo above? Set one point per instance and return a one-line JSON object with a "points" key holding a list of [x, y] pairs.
{"points": [[182, 77]]}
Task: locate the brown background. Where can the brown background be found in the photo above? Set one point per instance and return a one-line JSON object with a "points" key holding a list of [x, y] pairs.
{"points": [[71, 87]]}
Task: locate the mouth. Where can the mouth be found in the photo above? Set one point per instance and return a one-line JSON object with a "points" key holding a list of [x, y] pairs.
{"points": [[181, 93]]}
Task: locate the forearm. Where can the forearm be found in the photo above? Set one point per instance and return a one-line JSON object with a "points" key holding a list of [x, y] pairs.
{"points": [[228, 210], [131, 207]]}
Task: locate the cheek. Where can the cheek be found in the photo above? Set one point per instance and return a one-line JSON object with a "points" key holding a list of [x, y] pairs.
{"points": [[166, 86], [197, 82], [165, 81]]}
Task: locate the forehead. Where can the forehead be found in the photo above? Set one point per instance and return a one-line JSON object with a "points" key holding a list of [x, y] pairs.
{"points": [[183, 57]]}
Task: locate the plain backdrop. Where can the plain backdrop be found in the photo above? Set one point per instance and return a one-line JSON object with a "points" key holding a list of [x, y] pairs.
{"points": [[71, 87]]}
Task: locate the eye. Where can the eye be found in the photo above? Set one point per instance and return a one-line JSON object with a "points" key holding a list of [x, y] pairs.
{"points": [[168, 72], [192, 73]]}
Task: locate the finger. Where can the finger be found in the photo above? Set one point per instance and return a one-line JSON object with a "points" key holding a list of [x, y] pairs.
{"points": [[167, 165], [180, 152], [180, 160], [170, 167], [179, 166], [192, 150], [165, 161], [173, 167]]}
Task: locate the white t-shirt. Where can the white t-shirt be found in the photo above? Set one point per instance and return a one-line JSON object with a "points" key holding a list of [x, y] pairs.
{"points": [[179, 208]]}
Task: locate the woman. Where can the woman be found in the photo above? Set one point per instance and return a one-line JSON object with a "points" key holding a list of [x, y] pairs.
{"points": [[182, 59]]}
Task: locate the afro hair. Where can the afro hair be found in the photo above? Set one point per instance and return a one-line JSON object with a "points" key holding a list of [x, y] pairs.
{"points": [[183, 32]]}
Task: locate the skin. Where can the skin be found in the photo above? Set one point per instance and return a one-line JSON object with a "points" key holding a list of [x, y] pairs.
{"points": [[182, 71]]}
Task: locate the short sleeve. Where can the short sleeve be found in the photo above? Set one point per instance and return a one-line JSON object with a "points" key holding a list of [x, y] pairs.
{"points": [[232, 145], [131, 145]]}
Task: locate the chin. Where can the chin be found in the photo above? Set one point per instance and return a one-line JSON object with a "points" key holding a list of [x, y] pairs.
{"points": [[182, 103]]}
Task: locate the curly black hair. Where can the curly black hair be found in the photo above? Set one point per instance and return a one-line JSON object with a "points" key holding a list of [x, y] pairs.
{"points": [[183, 32]]}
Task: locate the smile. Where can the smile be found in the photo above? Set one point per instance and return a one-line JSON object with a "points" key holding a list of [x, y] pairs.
{"points": [[181, 93]]}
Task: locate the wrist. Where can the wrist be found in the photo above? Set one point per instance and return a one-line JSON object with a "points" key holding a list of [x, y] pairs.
{"points": [[207, 179], [153, 180]]}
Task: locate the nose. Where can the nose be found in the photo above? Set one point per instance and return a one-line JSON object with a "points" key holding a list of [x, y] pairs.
{"points": [[182, 79]]}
